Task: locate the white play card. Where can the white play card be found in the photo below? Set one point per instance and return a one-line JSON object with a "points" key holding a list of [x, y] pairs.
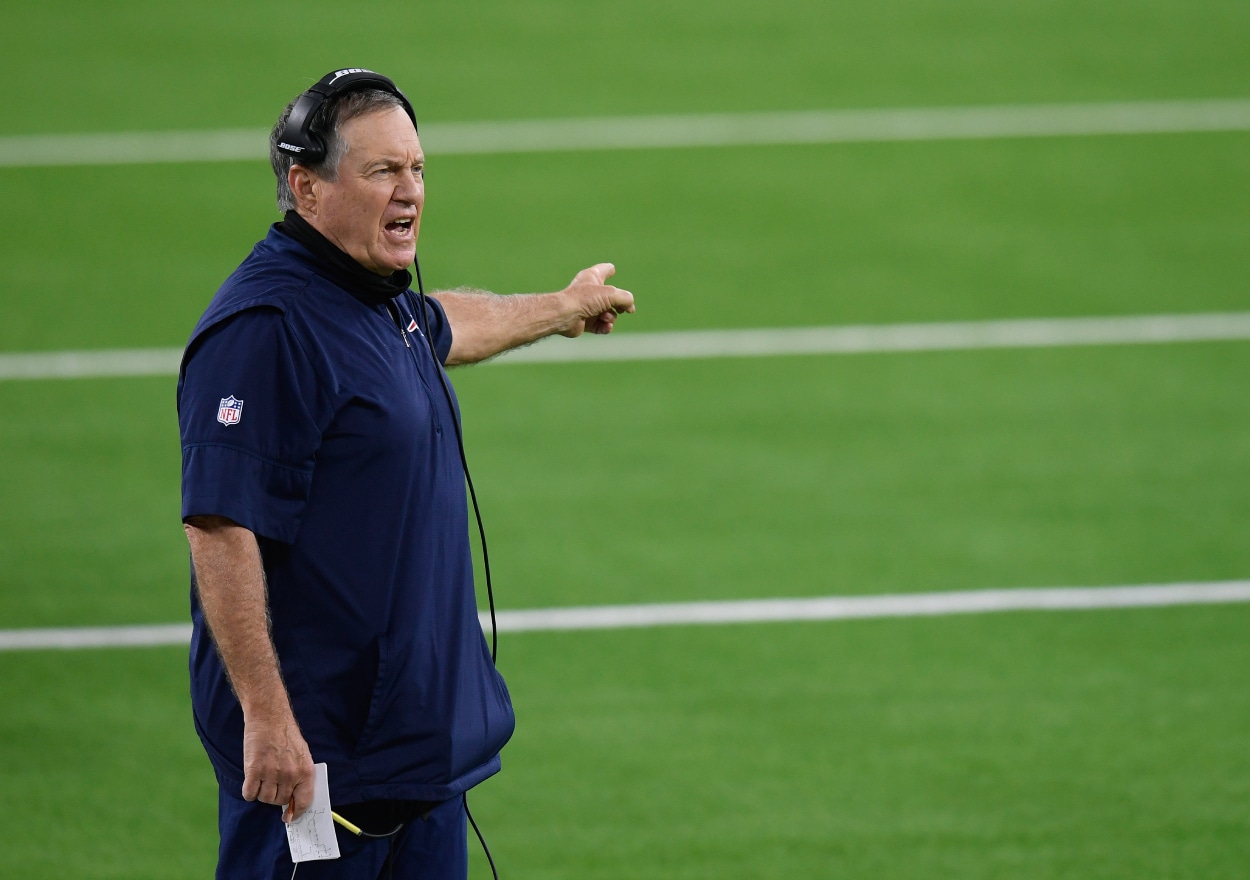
{"points": [[312, 837]]}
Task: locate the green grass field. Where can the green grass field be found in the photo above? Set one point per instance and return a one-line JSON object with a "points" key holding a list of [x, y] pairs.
{"points": [[1107, 744]]}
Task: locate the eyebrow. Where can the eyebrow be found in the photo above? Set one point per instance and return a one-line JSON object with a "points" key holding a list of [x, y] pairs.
{"points": [[392, 162]]}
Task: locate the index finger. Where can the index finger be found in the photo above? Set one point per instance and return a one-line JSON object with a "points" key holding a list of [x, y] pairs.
{"points": [[622, 301]]}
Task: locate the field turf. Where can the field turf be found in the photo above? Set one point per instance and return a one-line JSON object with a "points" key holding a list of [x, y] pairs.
{"points": [[1095, 745]]}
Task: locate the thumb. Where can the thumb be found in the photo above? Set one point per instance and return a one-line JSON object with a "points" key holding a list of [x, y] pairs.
{"points": [[301, 800], [596, 274]]}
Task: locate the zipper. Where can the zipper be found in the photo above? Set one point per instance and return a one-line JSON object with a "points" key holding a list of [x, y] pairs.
{"points": [[397, 318]]}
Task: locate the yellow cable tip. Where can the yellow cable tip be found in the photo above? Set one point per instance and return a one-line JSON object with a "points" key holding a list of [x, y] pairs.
{"points": [[348, 825]]}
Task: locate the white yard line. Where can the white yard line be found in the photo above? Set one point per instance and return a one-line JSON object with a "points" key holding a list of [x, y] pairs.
{"points": [[862, 607], [69, 638], [653, 132], [775, 342], [885, 338], [91, 364], [710, 613]]}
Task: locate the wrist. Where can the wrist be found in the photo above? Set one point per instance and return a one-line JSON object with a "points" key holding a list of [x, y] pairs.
{"points": [[272, 708]]}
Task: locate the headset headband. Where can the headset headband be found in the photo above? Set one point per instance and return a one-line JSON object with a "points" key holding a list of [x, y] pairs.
{"points": [[297, 138]]}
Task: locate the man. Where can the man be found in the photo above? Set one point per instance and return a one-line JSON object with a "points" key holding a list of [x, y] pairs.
{"points": [[323, 499]]}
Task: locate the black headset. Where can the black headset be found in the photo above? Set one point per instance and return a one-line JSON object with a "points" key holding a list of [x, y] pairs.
{"points": [[298, 139]]}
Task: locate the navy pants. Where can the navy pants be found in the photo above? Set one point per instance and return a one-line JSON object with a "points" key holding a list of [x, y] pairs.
{"points": [[254, 847]]}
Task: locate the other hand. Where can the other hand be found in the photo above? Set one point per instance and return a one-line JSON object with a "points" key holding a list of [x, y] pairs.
{"points": [[595, 303], [277, 766]]}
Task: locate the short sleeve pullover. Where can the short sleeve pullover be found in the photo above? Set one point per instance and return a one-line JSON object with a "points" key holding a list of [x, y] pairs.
{"points": [[322, 423], [252, 417]]}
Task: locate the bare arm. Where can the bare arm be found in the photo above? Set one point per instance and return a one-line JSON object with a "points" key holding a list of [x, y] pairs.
{"points": [[277, 765], [484, 325]]}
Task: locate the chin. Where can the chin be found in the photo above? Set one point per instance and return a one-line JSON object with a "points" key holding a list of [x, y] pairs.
{"points": [[401, 261]]}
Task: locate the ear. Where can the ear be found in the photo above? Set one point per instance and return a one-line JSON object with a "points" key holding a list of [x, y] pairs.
{"points": [[303, 185]]}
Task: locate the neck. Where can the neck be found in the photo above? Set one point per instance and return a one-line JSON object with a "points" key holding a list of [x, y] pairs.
{"points": [[337, 266]]}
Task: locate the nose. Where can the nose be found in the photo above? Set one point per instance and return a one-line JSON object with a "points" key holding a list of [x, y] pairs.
{"points": [[410, 189]]}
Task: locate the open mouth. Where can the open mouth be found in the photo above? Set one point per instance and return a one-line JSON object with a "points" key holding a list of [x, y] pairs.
{"points": [[400, 227]]}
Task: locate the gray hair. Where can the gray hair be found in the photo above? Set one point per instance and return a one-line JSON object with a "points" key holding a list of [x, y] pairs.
{"points": [[326, 123]]}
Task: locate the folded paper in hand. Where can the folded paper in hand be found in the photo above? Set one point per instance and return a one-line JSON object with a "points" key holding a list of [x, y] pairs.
{"points": [[312, 836]]}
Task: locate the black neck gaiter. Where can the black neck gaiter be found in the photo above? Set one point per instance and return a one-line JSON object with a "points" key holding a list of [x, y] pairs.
{"points": [[368, 287]]}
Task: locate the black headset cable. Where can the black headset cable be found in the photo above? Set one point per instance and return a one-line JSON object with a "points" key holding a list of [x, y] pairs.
{"points": [[464, 462]]}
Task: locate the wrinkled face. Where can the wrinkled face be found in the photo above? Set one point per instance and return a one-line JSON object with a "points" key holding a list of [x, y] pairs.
{"points": [[373, 210]]}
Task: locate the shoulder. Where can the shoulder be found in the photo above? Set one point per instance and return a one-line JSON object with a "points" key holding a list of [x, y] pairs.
{"points": [[273, 277], [260, 297]]}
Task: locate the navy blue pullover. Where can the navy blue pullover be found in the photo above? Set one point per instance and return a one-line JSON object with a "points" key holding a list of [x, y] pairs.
{"points": [[315, 417]]}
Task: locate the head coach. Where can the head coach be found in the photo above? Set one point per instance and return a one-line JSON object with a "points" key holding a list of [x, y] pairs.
{"points": [[332, 601]]}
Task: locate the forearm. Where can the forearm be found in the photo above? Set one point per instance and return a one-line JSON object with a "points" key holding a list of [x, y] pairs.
{"points": [[277, 765], [231, 589], [486, 324]]}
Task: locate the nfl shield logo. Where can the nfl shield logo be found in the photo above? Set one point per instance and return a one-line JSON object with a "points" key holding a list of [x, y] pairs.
{"points": [[230, 411]]}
